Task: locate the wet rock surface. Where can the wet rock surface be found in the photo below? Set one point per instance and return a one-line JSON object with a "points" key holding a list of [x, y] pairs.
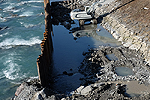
{"points": [[32, 90], [3, 28], [100, 80]]}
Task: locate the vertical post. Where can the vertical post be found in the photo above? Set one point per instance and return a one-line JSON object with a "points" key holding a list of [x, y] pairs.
{"points": [[44, 60], [48, 23], [47, 14]]}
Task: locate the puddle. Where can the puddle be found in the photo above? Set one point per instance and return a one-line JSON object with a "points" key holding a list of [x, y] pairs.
{"points": [[132, 95], [68, 52], [66, 84], [123, 71], [133, 89], [111, 57]]}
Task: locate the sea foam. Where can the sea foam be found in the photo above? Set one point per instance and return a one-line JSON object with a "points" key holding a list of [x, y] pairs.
{"points": [[12, 42], [26, 25], [27, 13], [1, 35], [12, 68]]}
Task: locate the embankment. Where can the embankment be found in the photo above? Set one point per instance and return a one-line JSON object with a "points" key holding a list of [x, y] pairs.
{"points": [[129, 22]]}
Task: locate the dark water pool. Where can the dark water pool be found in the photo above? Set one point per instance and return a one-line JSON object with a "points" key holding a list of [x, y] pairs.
{"points": [[68, 49]]}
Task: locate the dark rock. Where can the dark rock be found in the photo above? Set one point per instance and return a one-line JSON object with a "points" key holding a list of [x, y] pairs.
{"points": [[75, 38], [70, 74], [77, 34], [65, 73], [121, 89], [3, 28]]}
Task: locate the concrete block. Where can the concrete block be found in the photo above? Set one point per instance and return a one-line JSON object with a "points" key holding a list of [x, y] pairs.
{"points": [[78, 90], [86, 90]]}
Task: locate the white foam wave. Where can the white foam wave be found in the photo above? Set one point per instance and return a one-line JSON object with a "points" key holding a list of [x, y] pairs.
{"points": [[31, 78], [27, 13], [2, 19], [1, 35], [12, 6], [11, 42], [35, 1], [2, 77], [26, 25], [12, 68], [24, 2], [27, 2]]}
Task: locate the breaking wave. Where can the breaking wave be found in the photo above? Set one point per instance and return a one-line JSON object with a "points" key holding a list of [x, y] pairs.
{"points": [[12, 42], [12, 70], [15, 7], [27, 13], [1, 35]]}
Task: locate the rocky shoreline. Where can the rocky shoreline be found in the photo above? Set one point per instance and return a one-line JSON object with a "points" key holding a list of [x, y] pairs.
{"points": [[101, 79]]}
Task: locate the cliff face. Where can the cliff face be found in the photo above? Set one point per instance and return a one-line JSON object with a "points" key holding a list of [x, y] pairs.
{"points": [[129, 22]]}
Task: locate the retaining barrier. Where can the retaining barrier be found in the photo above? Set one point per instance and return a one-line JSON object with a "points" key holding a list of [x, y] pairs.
{"points": [[44, 60]]}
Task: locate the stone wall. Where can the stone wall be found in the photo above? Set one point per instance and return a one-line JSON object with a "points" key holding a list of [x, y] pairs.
{"points": [[129, 22]]}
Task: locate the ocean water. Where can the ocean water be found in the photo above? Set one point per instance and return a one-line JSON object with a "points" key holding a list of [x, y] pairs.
{"points": [[22, 30], [22, 27]]}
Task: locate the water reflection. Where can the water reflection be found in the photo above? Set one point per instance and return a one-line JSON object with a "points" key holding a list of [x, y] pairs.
{"points": [[70, 41], [68, 52], [95, 31]]}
